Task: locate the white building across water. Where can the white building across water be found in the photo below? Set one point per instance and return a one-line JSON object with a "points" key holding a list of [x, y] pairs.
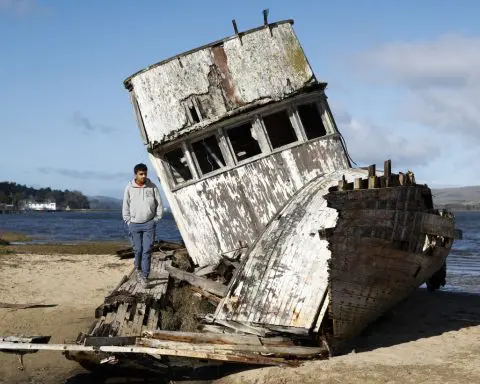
{"points": [[45, 206]]}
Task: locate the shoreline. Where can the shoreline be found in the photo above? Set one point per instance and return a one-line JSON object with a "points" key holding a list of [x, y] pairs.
{"points": [[19, 243]]}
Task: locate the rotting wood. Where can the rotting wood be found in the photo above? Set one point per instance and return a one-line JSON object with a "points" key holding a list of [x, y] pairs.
{"points": [[208, 285], [211, 297], [202, 271], [201, 338], [183, 350], [387, 173], [357, 184], [284, 351], [243, 328]]}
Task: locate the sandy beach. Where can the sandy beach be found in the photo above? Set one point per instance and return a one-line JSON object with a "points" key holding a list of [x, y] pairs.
{"points": [[431, 337]]}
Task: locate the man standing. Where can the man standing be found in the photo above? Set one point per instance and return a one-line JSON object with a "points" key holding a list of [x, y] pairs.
{"points": [[142, 208]]}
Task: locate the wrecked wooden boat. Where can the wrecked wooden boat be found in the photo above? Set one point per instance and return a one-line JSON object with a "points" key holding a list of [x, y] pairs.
{"points": [[248, 152], [288, 249]]}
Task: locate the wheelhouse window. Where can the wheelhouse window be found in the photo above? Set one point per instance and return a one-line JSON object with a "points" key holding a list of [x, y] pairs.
{"points": [[178, 165], [311, 120], [208, 154], [279, 129], [243, 141]]}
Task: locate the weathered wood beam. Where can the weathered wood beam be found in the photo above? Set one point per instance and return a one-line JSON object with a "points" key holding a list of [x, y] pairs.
{"points": [[387, 173], [216, 338], [206, 284], [212, 298], [202, 271], [183, 349], [357, 184], [372, 176], [300, 352]]}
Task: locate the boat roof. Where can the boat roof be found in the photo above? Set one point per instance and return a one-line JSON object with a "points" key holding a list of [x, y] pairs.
{"points": [[213, 44]]}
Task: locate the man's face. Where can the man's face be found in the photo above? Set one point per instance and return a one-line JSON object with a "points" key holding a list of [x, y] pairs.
{"points": [[140, 177]]}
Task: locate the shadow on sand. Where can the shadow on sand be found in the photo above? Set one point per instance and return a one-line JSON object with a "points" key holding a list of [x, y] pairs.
{"points": [[423, 314]]}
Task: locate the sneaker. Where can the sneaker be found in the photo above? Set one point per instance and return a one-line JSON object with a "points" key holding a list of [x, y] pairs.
{"points": [[143, 282], [138, 274]]}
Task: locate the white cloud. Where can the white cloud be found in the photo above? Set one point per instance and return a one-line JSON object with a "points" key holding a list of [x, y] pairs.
{"points": [[442, 77], [20, 7], [369, 143]]}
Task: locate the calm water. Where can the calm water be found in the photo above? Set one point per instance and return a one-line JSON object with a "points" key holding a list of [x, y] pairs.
{"points": [[74, 227], [463, 263]]}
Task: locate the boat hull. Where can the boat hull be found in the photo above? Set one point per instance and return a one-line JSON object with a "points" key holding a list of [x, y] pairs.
{"points": [[387, 242], [333, 260]]}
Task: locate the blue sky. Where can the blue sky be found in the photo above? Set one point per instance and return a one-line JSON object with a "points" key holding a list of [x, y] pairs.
{"points": [[404, 81]]}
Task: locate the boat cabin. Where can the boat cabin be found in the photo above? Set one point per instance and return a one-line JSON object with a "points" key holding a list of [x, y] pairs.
{"points": [[234, 129]]}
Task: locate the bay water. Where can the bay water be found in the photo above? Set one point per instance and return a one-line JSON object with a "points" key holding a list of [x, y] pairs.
{"points": [[463, 263]]}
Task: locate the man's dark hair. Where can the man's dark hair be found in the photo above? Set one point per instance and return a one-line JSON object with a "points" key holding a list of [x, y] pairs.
{"points": [[140, 167]]}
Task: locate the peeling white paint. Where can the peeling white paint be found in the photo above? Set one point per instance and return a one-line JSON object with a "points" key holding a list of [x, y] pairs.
{"points": [[285, 277], [222, 78]]}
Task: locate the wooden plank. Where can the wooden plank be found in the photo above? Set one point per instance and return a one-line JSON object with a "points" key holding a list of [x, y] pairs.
{"points": [[357, 184], [217, 338], [208, 285], [387, 173], [239, 327], [202, 271], [221, 356], [212, 298], [299, 352], [371, 170]]}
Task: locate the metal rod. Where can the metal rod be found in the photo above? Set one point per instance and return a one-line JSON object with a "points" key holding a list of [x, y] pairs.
{"points": [[235, 28]]}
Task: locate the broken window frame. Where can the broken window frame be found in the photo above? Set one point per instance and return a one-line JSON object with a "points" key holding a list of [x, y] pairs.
{"points": [[194, 156], [261, 139], [322, 113], [255, 118], [297, 129], [190, 165]]}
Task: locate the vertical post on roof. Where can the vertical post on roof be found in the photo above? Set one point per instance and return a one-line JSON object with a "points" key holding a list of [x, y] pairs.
{"points": [[235, 28], [265, 21]]}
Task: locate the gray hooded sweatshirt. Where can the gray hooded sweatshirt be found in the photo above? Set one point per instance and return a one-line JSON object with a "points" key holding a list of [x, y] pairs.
{"points": [[141, 204]]}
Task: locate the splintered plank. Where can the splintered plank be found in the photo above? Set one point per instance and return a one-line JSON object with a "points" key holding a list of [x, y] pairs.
{"points": [[183, 351], [217, 338], [284, 351], [153, 315], [208, 285]]}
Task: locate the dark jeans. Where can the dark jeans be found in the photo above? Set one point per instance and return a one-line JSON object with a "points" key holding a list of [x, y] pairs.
{"points": [[142, 236]]}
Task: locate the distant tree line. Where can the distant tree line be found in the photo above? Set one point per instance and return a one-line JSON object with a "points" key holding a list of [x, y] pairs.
{"points": [[17, 194], [460, 206]]}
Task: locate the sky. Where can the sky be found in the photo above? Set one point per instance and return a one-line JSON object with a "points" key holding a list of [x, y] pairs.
{"points": [[404, 81]]}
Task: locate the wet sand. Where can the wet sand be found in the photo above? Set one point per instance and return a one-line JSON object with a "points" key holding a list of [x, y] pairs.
{"points": [[431, 337]]}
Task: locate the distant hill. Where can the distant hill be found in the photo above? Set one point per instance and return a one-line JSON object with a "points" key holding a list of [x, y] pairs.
{"points": [[460, 198], [105, 202]]}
